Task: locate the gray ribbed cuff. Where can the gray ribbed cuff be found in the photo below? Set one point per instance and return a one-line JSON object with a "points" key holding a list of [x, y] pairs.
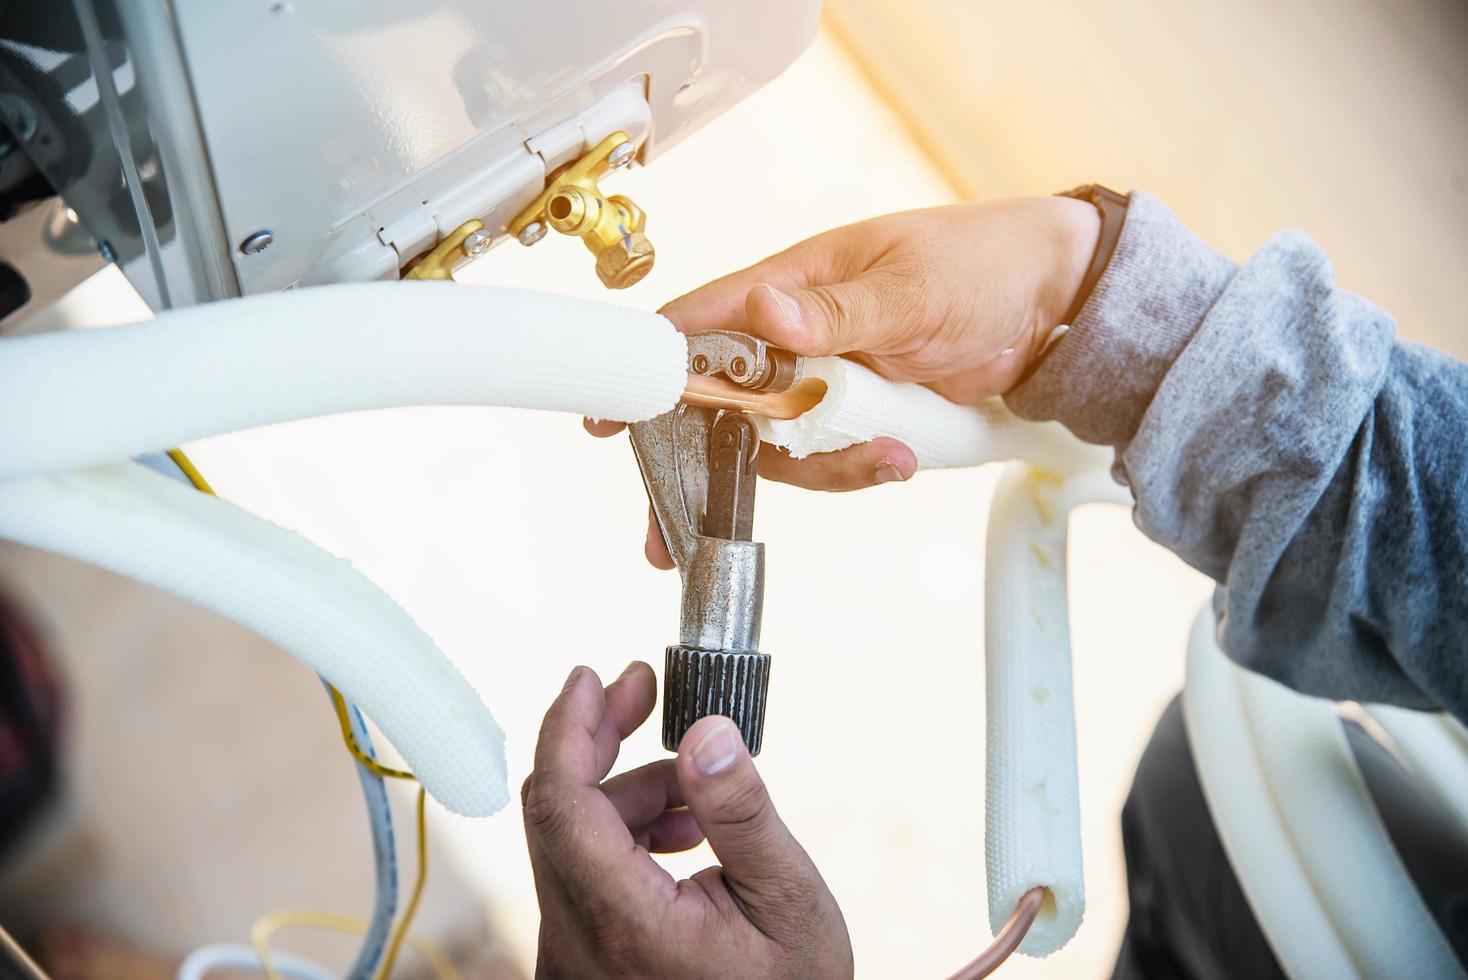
{"points": [[1099, 378]]}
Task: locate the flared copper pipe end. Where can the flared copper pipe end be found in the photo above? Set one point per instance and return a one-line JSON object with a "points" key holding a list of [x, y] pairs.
{"points": [[713, 392]]}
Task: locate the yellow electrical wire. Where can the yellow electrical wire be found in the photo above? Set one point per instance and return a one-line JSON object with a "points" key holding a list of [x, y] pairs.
{"points": [[267, 925], [340, 704], [394, 944], [191, 471]]}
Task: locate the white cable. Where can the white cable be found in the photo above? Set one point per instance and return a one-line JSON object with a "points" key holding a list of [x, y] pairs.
{"points": [[83, 398], [132, 521], [384, 854], [206, 960], [1296, 820], [1032, 804]]}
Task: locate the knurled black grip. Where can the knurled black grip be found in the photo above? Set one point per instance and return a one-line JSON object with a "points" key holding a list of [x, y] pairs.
{"points": [[699, 682]]}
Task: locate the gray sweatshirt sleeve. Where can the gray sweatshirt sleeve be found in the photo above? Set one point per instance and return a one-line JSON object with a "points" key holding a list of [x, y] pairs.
{"points": [[1277, 438]]}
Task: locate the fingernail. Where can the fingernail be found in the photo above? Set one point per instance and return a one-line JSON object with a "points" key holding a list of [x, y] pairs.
{"points": [[572, 678], [627, 670], [789, 309], [887, 473], [718, 750]]}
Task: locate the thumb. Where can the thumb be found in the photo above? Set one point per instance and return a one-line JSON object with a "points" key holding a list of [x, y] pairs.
{"points": [[822, 320], [766, 868]]}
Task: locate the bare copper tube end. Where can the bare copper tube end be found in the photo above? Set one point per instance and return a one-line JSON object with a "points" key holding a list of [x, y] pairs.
{"points": [[1009, 937], [715, 392]]}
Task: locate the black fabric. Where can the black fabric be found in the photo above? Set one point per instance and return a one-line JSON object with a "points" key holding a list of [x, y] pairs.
{"points": [[30, 724], [1189, 919]]}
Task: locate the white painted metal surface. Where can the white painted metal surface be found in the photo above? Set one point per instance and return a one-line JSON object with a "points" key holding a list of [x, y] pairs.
{"points": [[326, 122]]}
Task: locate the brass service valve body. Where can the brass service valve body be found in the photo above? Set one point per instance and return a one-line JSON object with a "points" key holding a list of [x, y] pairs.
{"points": [[573, 204]]}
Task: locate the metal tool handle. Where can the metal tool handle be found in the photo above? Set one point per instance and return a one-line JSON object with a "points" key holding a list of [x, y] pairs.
{"points": [[700, 465], [703, 682]]}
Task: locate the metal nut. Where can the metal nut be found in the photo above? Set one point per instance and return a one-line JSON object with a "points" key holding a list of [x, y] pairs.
{"points": [[256, 242], [475, 243], [625, 263], [700, 364], [532, 233], [622, 154]]}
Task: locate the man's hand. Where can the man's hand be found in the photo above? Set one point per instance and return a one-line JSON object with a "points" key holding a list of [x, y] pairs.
{"points": [[607, 909], [960, 298]]}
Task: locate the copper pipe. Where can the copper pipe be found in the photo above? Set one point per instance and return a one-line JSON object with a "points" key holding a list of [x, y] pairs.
{"points": [[714, 392], [1009, 937], [15, 961]]}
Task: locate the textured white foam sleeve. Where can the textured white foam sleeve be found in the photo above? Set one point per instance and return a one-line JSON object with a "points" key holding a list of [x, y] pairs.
{"points": [[1032, 832], [861, 405], [1269, 871], [1297, 822], [138, 523], [83, 398]]}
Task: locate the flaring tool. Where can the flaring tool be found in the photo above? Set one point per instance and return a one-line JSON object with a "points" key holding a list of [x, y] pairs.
{"points": [[699, 463]]}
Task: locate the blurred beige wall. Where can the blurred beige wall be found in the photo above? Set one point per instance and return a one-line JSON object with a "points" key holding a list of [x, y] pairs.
{"points": [[1347, 118]]}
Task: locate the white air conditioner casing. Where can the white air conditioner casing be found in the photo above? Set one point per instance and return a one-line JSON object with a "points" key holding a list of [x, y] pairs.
{"points": [[356, 133]]}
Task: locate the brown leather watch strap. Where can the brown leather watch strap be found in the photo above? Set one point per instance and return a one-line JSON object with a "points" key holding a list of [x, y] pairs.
{"points": [[1112, 208]]}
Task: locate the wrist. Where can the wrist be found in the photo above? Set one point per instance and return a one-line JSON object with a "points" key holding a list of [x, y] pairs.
{"points": [[1075, 234], [1157, 288]]}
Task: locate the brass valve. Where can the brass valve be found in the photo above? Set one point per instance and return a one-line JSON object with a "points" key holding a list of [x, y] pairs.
{"points": [[467, 241], [572, 203]]}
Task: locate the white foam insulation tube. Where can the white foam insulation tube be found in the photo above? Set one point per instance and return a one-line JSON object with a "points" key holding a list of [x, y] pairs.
{"points": [[98, 396], [92, 399], [133, 521], [860, 405], [1032, 832]]}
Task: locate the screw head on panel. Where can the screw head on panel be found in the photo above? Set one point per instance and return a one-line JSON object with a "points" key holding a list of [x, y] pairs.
{"points": [[256, 242], [475, 243], [532, 233], [622, 154]]}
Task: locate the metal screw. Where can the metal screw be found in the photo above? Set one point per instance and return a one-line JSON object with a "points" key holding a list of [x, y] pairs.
{"points": [[532, 233], [475, 243], [700, 364], [738, 367], [256, 242], [622, 154]]}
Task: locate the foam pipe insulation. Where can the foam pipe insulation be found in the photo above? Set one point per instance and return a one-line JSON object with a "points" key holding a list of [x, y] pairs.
{"points": [[1032, 805], [133, 521], [1289, 801], [860, 405], [98, 397]]}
